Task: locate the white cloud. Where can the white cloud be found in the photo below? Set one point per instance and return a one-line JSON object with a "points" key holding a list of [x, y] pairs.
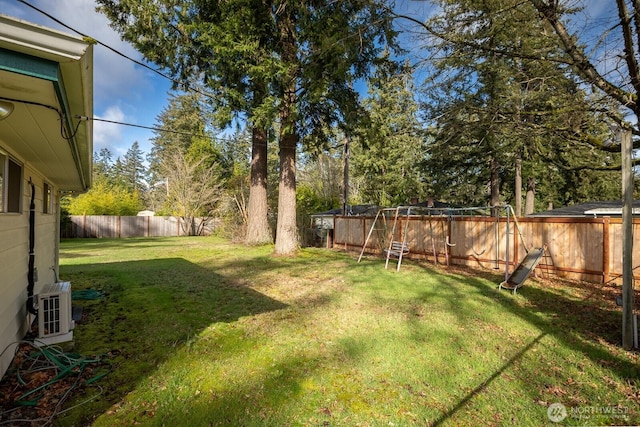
{"points": [[109, 135], [123, 91], [114, 76]]}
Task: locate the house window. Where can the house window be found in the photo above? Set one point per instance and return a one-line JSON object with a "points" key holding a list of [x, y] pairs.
{"points": [[10, 184], [47, 200]]}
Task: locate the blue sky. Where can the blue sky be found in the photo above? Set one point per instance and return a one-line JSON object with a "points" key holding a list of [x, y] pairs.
{"points": [[123, 91], [126, 92]]}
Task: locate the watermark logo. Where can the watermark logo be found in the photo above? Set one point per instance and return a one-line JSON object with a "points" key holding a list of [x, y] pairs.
{"points": [[556, 412]]}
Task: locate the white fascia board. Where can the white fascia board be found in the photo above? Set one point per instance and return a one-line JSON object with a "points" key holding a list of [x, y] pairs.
{"points": [[75, 59], [36, 40]]}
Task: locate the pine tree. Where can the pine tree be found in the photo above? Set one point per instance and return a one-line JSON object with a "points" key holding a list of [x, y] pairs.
{"points": [[185, 154], [134, 170], [392, 147], [293, 61], [102, 163], [498, 105]]}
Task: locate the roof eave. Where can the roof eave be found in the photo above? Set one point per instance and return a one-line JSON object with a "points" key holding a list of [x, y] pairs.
{"points": [[75, 59]]}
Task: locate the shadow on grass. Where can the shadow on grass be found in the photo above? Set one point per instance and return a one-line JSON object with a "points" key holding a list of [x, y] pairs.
{"points": [[480, 388], [253, 403], [156, 306], [79, 248], [151, 309], [578, 324]]}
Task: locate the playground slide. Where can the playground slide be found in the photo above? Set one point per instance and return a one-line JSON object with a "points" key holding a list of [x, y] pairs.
{"points": [[526, 267]]}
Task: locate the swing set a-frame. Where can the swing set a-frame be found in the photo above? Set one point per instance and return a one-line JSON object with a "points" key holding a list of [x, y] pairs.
{"points": [[397, 245], [390, 231]]}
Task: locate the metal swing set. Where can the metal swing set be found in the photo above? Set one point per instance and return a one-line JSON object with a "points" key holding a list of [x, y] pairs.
{"points": [[390, 231], [394, 242]]}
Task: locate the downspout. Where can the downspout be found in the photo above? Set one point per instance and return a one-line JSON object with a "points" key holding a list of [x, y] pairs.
{"points": [[31, 275]]}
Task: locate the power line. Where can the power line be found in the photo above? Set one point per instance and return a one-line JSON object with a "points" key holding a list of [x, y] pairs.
{"points": [[153, 128], [178, 83], [157, 129], [174, 81]]}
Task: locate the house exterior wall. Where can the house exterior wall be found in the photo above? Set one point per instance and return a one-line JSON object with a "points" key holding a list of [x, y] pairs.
{"points": [[14, 253]]}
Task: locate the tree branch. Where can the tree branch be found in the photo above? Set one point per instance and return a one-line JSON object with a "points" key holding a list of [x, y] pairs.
{"points": [[629, 49], [585, 69], [479, 46]]}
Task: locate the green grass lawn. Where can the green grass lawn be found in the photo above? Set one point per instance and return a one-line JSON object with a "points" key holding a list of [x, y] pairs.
{"points": [[203, 332]]}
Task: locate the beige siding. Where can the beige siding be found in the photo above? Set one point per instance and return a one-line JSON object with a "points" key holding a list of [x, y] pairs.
{"points": [[14, 262]]}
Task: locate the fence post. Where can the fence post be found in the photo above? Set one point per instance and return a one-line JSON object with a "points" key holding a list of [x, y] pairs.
{"points": [[516, 243], [606, 254], [364, 230], [348, 234]]}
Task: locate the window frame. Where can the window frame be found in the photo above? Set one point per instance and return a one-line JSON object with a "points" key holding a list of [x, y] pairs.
{"points": [[11, 170], [47, 198]]}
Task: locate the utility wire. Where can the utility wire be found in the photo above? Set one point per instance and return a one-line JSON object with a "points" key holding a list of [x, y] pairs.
{"points": [[178, 83], [174, 81], [117, 52], [155, 129], [95, 119]]}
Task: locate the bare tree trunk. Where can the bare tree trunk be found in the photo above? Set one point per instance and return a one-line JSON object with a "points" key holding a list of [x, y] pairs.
{"points": [[495, 185], [287, 230], [258, 231], [530, 198]]}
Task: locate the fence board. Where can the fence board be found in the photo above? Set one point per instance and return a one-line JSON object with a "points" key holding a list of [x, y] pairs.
{"points": [[579, 248], [110, 226]]}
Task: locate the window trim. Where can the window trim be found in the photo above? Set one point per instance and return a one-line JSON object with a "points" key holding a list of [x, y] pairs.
{"points": [[47, 198], [8, 182]]}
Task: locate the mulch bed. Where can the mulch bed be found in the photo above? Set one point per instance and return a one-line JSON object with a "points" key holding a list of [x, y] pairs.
{"points": [[40, 380]]}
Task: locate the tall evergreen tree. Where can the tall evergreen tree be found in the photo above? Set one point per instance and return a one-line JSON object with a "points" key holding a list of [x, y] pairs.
{"points": [[268, 59], [392, 147], [184, 118], [133, 169], [102, 164], [604, 54], [619, 80], [496, 111], [185, 151], [320, 181]]}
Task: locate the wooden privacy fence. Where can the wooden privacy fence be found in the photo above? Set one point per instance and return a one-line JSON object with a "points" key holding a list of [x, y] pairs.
{"points": [[131, 226], [578, 248]]}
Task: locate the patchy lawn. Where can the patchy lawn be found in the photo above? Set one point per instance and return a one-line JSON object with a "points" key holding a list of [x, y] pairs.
{"points": [[204, 332]]}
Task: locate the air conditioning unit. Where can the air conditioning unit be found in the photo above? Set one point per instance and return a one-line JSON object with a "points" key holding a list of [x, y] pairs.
{"points": [[55, 322]]}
